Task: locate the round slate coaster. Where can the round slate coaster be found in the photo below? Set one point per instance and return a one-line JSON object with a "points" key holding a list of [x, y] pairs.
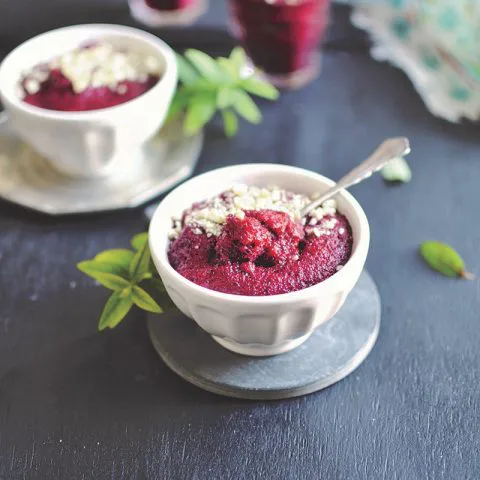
{"points": [[332, 352]]}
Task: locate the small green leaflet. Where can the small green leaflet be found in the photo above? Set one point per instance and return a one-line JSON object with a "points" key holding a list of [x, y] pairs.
{"points": [[119, 256], [139, 240], [143, 300], [206, 65], [102, 271], [139, 268], [123, 271], [207, 85], [186, 72], [238, 58], [111, 281], [179, 102], [225, 97], [230, 70], [230, 123], [260, 88], [444, 259], [115, 310], [397, 170], [199, 112], [246, 107]]}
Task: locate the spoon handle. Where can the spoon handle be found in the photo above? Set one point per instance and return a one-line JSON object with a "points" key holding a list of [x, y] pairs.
{"points": [[389, 149]]}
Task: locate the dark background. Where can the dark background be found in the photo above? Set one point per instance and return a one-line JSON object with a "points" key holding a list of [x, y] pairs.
{"points": [[76, 404]]}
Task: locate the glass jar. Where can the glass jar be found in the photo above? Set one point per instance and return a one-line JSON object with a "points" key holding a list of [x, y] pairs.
{"points": [[282, 37], [158, 13]]}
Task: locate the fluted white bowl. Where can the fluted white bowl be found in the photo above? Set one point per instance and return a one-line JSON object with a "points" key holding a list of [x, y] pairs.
{"points": [[253, 325]]}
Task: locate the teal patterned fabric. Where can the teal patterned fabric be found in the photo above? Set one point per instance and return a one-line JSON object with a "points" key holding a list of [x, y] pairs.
{"points": [[456, 25], [453, 24], [436, 43]]}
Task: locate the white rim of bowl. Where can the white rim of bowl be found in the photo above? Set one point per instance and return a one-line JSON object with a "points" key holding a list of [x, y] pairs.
{"points": [[163, 48], [361, 242]]}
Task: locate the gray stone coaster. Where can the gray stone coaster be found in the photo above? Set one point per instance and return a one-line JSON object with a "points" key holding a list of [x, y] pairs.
{"points": [[332, 352]]}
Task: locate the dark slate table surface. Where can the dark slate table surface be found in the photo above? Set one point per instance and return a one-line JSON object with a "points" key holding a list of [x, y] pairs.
{"points": [[76, 404]]}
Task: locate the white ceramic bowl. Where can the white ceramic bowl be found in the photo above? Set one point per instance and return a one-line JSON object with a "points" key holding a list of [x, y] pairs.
{"points": [[92, 143], [258, 325]]}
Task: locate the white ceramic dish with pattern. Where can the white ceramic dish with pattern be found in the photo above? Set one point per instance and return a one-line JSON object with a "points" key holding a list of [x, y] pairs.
{"points": [[93, 143], [249, 325]]}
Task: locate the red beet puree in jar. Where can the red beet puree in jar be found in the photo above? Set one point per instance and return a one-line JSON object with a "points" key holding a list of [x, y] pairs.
{"points": [[281, 36]]}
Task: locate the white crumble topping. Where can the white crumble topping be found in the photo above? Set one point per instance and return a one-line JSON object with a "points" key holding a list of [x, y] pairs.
{"points": [[32, 86], [329, 224], [331, 202], [100, 64], [209, 216]]}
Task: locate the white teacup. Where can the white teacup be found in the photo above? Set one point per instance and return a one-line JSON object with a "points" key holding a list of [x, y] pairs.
{"points": [[90, 143]]}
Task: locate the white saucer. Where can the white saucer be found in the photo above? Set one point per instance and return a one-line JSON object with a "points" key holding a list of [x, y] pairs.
{"points": [[27, 179]]}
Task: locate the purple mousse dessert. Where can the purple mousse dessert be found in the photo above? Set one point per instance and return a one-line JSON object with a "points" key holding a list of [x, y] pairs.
{"points": [[251, 241], [92, 77]]}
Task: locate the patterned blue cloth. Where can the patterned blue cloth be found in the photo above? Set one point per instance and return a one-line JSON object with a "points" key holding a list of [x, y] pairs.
{"points": [[436, 42], [453, 24]]}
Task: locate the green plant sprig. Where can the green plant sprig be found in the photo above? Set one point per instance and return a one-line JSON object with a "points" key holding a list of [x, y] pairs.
{"points": [[208, 85], [132, 277]]}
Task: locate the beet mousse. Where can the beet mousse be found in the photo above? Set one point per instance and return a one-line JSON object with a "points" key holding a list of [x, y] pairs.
{"points": [[250, 241], [91, 77]]}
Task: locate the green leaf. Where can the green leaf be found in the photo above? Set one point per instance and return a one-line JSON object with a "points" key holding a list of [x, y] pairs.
{"points": [[143, 300], [206, 65], [118, 256], [397, 170], [139, 240], [246, 107], [444, 259], [187, 74], [229, 68], [161, 297], [230, 122], [126, 291], [93, 267], [115, 310], [179, 102], [225, 97], [199, 112], [140, 266], [260, 88], [238, 58], [110, 280]]}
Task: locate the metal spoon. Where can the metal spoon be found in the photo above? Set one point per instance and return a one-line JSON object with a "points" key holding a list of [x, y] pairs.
{"points": [[388, 150]]}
